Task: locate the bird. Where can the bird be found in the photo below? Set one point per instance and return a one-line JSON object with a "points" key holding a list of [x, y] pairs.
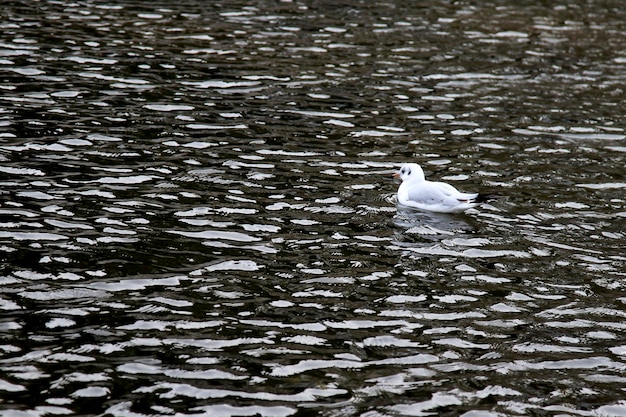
{"points": [[415, 191]]}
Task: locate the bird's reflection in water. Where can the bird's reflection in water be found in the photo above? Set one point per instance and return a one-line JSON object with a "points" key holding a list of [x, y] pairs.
{"points": [[424, 226]]}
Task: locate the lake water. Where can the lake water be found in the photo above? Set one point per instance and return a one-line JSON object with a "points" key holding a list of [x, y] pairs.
{"points": [[197, 215]]}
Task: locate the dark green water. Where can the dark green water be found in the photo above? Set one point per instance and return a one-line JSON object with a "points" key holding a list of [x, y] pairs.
{"points": [[197, 215]]}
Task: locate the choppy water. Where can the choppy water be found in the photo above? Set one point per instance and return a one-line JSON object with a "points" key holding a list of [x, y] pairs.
{"points": [[197, 215]]}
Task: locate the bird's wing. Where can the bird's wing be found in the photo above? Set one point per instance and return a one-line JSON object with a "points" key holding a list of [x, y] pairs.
{"points": [[429, 192]]}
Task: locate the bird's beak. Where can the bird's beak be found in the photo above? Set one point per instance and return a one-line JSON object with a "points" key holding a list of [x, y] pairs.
{"points": [[395, 175]]}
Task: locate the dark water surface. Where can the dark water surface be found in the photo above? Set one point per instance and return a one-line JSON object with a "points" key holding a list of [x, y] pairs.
{"points": [[197, 215]]}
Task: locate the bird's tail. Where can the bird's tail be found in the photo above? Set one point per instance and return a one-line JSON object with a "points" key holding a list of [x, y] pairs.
{"points": [[483, 198]]}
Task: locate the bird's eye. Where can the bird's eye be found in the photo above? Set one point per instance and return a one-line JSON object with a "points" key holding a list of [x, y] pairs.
{"points": [[409, 172]]}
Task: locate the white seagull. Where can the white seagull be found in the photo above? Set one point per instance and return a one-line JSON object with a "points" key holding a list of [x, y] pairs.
{"points": [[415, 191]]}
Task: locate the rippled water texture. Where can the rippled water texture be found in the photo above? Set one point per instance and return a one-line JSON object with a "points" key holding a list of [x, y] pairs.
{"points": [[197, 215]]}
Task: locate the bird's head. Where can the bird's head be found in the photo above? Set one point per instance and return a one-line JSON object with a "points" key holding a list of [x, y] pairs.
{"points": [[410, 172]]}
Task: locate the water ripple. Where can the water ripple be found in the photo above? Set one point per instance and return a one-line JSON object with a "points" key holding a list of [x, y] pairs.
{"points": [[197, 215]]}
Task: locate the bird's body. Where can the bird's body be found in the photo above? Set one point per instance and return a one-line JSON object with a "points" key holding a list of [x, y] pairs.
{"points": [[415, 191]]}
